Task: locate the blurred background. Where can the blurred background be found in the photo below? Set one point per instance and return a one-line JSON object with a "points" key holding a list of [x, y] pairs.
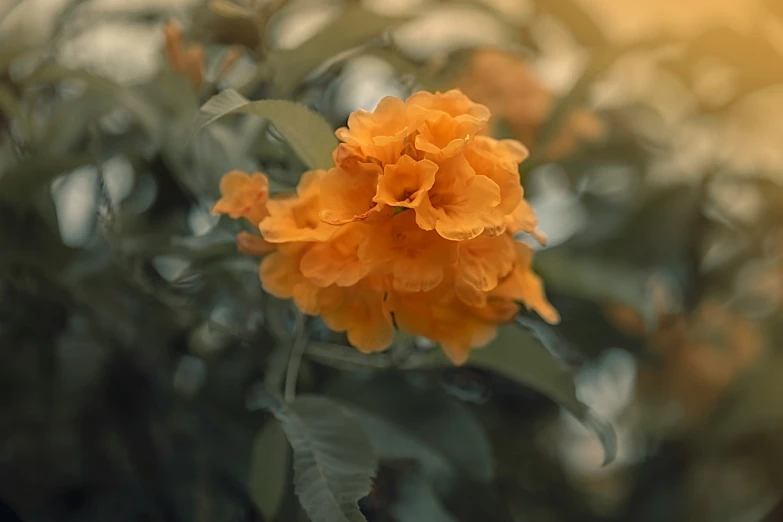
{"points": [[131, 330]]}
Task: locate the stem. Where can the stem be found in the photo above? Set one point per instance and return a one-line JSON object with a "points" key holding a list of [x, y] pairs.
{"points": [[298, 347]]}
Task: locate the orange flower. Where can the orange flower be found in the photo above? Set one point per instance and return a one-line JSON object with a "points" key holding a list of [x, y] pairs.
{"points": [[525, 286], [281, 277], [298, 218], [439, 315], [405, 183], [348, 195], [522, 219], [187, 60], [252, 245], [413, 226], [416, 258], [485, 260], [336, 262], [244, 196], [451, 120], [461, 205], [499, 161], [378, 135], [361, 313]]}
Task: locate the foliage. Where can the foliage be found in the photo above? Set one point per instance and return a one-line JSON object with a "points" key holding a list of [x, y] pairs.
{"points": [[147, 375]]}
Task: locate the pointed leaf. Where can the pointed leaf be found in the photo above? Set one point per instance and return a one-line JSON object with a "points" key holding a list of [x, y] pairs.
{"points": [[518, 355], [310, 137], [333, 461]]}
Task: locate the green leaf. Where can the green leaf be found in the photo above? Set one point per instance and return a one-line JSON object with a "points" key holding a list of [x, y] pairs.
{"points": [[519, 356], [333, 461], [351, 28], [268, 469], [422, 423], [310, 137]]}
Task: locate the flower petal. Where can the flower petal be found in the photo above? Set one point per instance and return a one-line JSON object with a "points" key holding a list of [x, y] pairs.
{"points": [[296, 218], [360, 312], [483, 261], [336, 261], [253, 245], [525, 286], [469, 212], [406, 183], [416, 258], [244, 196], [347, 195]]}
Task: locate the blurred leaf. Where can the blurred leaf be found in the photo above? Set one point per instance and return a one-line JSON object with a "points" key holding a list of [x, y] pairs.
{"points": [[269, 469], [333, 461], [19, 183], [140, 109], [600, 280], [752, 406], [517, 355], [310, 137], [418, 502], [576, 19], [9, 105], [419, 423], [227, 22], [351, 28]]}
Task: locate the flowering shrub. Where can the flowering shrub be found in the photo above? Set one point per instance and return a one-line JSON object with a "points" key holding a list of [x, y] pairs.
{"points": [[414, 226]]}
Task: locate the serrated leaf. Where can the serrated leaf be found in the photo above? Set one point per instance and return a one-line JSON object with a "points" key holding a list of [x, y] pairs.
{"points": [[422, 424], [351, 28], [268, 469], [310, 137], [333, 461]]}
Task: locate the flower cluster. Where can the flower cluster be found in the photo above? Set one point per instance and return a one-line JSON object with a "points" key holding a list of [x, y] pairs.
{"points": [[414, 227]]}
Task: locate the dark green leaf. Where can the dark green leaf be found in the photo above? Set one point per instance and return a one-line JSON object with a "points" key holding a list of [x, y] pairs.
{"points": [[269, 469], [333, 461], [517, 355], [310, 137], [420, 423]]}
